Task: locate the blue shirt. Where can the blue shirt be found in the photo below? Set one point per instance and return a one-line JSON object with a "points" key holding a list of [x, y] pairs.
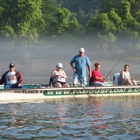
{"points": [[81, 64]]}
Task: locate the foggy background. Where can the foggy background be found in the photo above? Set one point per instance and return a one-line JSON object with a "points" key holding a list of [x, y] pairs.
{"points": [[36, 62]]}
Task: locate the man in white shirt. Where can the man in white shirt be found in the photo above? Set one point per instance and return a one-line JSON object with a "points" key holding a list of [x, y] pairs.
{"points": [[12, 78]]}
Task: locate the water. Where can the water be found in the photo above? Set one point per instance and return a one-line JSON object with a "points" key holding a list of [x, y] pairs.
{"points": [[109, 118]]}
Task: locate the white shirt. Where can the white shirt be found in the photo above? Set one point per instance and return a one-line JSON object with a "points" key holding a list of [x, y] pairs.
{"points": [[60, 76], [11, 78]]}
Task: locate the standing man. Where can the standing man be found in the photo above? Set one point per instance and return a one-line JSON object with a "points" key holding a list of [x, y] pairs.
{"points": [[11, 78], [81, 62]]}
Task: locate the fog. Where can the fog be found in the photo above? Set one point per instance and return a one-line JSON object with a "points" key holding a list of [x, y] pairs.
{"points": [[36, 62]]}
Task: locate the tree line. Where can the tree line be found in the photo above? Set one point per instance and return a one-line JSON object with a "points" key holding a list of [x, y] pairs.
{"points": [[107, 21]]}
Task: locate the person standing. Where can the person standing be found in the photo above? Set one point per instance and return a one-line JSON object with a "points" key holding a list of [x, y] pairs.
{"points": [[81, 62], [11, 78], [97, 78]]}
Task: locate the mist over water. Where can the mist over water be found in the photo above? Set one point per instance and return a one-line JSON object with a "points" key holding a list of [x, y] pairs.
{"points": [[36, 62]]}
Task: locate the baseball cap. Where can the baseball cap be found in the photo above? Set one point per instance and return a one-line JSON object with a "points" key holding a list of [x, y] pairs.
{"points": [[81, 50], [11, 65], [59, 65]]}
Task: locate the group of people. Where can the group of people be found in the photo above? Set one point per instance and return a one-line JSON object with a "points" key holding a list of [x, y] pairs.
{"points": [[79, 64]]}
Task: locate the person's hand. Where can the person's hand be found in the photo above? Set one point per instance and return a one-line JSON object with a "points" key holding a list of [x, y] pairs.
{"points": [[104, 79], [19, 85], [56, 75], [90, 75], [74, 69], [62, 76]]}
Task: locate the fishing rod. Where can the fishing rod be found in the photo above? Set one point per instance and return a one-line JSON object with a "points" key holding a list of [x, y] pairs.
{"points": [[116, 63]]}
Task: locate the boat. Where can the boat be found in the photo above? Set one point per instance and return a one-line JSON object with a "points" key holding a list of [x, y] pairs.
{"points": [[43, 92]]}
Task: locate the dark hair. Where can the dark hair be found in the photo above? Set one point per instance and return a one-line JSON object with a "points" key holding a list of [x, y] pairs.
{"points": [[126, 65], [96, 64]]}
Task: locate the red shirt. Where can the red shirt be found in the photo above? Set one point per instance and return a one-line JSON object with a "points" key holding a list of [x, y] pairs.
{"points": [[96, 73]]}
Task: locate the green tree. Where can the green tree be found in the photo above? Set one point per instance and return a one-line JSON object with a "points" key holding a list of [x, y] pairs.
{"points": [[138, 16], [130, 24], [107, 5], [63, 24], [49, 10], [100, 24], [62, 15], [81, 9], [115, 18], [135, 6], [21, 19], [74, 27]]}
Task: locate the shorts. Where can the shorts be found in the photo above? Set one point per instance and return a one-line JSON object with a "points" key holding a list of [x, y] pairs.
{"points": [[62, 83], [76, 78]]}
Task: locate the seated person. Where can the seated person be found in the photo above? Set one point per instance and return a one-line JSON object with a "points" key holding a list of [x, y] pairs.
{"points": [[124, 78], [97, 78], [11, 78], [59, 77]]}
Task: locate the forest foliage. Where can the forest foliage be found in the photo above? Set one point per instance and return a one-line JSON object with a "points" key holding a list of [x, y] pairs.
{"points": [[104, 21]]}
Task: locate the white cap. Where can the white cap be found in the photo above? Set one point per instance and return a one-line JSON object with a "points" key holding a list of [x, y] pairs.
{"points": [[59, 65], [81, 50]]}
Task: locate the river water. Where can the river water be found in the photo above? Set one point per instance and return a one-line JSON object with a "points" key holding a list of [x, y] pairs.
{"points": [[110, 118]]}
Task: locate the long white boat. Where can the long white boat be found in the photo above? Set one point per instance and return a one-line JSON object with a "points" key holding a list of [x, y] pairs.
{"points": [[42, 92]]}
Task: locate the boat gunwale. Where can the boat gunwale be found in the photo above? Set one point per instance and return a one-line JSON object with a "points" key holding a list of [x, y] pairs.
{"points": [[73, 88]]}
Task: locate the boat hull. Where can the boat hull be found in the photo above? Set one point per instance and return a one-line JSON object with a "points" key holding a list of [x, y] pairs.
{"points": [[55, 93]]}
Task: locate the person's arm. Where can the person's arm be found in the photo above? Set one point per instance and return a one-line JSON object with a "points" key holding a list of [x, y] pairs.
{"points": [[20, 79], [89, 71], [53, 75], [95, 77], [64, 75], [100, 79], [88, 63], [2, 80], [130, 76], [72, 62], [122, 75], [73, 68]]}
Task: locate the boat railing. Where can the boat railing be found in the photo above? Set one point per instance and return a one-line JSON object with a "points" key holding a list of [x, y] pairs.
{"points": [[34, 86]]}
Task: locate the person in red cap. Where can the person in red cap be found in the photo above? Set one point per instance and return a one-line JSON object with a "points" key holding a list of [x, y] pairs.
{"points": [[11, 78]]}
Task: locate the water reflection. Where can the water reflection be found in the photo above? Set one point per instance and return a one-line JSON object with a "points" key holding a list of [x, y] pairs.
{"points": [[89, 119], [16, 120], [95, 110]]}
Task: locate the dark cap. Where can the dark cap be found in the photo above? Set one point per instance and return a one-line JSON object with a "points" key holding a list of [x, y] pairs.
{"points": [[11, 65]]}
